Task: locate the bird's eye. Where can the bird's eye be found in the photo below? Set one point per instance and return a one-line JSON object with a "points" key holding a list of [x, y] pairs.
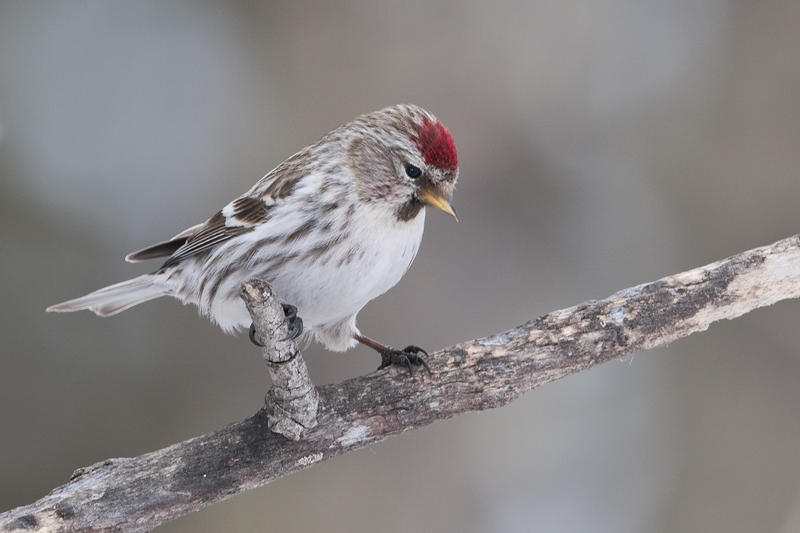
{"points": [[412, 171]]}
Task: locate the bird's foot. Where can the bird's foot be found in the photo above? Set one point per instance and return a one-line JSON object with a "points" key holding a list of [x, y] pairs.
{"points": [[407, 357], [293, 322]]}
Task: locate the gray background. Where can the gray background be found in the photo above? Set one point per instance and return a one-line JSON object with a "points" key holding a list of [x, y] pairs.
{"points": [[602, 144]]}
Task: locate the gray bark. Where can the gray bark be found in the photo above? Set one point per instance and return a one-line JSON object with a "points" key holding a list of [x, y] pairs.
{"points": [[137, 494], [292, 402]]}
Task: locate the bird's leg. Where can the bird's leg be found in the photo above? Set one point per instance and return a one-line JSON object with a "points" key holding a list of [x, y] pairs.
{"points": [[390, 356], [293, 322]]}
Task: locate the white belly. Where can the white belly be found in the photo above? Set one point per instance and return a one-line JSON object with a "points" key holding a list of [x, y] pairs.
{"points": [[327, 292], [328, 289]]}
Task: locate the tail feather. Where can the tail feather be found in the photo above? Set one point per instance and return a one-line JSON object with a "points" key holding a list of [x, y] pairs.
{"points": [[115, 298]]}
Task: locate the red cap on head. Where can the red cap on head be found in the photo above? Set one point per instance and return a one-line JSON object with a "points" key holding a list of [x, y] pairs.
{"points": [[437, 146]]}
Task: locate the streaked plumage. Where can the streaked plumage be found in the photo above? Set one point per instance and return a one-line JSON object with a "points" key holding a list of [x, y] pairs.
{"points": [[331, 228]]}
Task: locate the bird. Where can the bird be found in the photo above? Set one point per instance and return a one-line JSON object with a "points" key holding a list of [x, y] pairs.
{"points": [[331, 228]]}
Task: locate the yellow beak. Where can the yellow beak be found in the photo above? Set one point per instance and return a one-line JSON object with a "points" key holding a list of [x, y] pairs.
{"points": [[445, 204]]}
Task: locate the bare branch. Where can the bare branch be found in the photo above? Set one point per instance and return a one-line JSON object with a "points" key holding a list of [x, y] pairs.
{"points": [[138, 494], [292, 401]]}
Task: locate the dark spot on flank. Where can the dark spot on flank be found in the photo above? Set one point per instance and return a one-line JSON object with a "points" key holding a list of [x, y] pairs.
{"points": [[317, 252], [300, 232], [321, 249], [280, 260], [221, 278], [346, 260], [202, 288], [176, 274]]}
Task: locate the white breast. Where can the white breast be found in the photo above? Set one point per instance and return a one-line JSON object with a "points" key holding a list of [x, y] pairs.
{"points": [[371, 253], [371, 261]]}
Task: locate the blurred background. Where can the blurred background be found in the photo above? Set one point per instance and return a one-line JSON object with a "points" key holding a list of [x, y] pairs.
{"points": [[602, 144]]}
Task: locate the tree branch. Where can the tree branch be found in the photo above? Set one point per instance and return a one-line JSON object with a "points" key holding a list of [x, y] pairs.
{"points": [[292, 402], [138, 494]]}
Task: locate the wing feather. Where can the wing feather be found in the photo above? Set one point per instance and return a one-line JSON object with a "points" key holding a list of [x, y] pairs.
{"points": [[212, 234], [163, 249], [241, 216]]}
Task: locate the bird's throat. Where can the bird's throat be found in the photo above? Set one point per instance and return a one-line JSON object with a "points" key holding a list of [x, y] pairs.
{"points": [[409, 210]]}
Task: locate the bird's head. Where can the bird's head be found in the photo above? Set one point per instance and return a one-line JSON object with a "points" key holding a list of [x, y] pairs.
{"points": [[403, 159]]}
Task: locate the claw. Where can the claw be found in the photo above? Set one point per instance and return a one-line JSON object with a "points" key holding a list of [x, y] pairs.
{"points": [[417, 359], [406, 357], [411, 348], [294, 322], [252, 335], [290, 311], [295, 328]]}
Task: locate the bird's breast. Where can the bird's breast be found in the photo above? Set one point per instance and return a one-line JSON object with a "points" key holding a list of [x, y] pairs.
{"points": [[369, 259]]}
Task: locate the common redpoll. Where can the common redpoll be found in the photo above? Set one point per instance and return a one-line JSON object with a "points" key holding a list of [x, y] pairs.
{"points": [[331, 228]]}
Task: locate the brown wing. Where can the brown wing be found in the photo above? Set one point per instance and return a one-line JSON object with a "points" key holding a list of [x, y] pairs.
{"points": [[163, 249], [239, 217], [245, 214]]}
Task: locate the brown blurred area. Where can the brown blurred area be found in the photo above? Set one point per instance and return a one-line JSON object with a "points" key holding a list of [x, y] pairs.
{"points": [[601, 144]]}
